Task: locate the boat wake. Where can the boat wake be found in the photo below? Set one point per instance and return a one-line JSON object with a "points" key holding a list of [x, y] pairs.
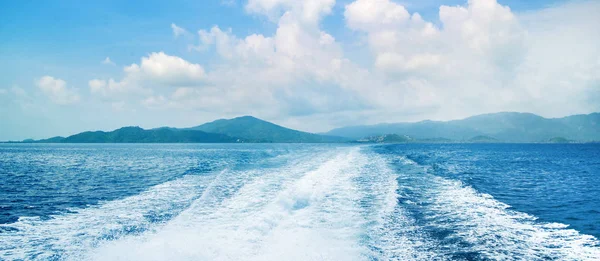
{"points": [[345, 203]]}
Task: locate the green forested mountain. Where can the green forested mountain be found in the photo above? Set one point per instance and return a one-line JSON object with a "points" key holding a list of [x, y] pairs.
{"points": [[139, 135], [257, 130], [505, 126], [496, 127], [242, 129], [387, 138]]}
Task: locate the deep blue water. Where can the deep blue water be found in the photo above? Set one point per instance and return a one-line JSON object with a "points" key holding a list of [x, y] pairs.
{"points": [[299, 202]]}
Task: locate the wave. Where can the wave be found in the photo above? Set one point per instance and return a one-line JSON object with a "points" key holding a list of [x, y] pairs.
{"points": [[299, 212], [494, 231], [473, 225], [340, 203], [391, 233], [71, 235], [36, 238]]}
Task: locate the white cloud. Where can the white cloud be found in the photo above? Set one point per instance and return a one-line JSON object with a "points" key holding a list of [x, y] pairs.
{"points": [[3, 91], [154, 71], [482, 32], [390, 61], [560, 72], [113, 89], [107, 61], [166, 69], [184, 93], [375, 15], [479, 57], [154, 101], [56, 89], [482, 57], [295, 71], [307, 11], [178, 31], [97, 85], [118, 106]]}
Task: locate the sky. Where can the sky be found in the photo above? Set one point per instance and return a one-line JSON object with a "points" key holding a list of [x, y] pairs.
{"points": [[70, 66]]}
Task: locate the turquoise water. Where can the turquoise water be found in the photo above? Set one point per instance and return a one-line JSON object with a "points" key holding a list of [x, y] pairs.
{"points": [[299, 202]]}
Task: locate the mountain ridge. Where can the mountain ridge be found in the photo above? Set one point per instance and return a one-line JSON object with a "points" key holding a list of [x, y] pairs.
{"points": [[256, 130], [491, 127], [503, 126], [135, 134], [245, 129]]}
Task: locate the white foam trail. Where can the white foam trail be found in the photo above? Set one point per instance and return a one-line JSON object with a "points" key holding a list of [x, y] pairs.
{"points": [[502, 234], [69, 236], [482, 226], [478, 226], [73, 233], [392, 233], [299, 213], [332, 204]]}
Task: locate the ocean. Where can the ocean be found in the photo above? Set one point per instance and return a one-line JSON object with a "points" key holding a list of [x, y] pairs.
{"points": [[299, 202]]}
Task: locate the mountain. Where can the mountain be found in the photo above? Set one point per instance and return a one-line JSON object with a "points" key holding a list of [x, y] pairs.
{"points": [[504, 126], [139, 135], [559, 140], [256, 130], [483, 139], [387, 138], [242, 129], [495, 127], [419, 130]]}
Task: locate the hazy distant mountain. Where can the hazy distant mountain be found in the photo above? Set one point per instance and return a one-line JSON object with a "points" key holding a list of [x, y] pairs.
{"points": [[387, 138], [395, 138], [242, 129], [496, 127], [483, 139], [139, 135], [505, 126], [559, 140], [419, 130], [257, 130]]}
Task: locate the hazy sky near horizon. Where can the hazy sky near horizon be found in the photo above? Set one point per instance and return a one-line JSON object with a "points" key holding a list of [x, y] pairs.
{"points": [[70, 66]]}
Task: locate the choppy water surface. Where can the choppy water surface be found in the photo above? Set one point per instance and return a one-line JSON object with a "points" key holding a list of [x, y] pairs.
{"points": [[299, 202]]}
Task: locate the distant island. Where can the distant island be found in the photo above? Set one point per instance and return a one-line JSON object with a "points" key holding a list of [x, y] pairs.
{"points": [[505, 127], [246, 129], [496, 127]]}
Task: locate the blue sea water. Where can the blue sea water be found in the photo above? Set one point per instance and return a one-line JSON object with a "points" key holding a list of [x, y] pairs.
{"points": [[299, 202]]}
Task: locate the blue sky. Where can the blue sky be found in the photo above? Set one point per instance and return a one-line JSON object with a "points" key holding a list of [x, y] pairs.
{"points": [[311, 65]]}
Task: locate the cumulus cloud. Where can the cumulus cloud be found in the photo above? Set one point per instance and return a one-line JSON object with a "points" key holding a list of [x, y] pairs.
{"points": [[482, 57], [178, 31], [107, 61], [166, 69], [56, 89], [111, 88], [295, 71], [156, 70], [560, 71], [375, 15], [478, 57], [482, 32], [154, 101]]}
